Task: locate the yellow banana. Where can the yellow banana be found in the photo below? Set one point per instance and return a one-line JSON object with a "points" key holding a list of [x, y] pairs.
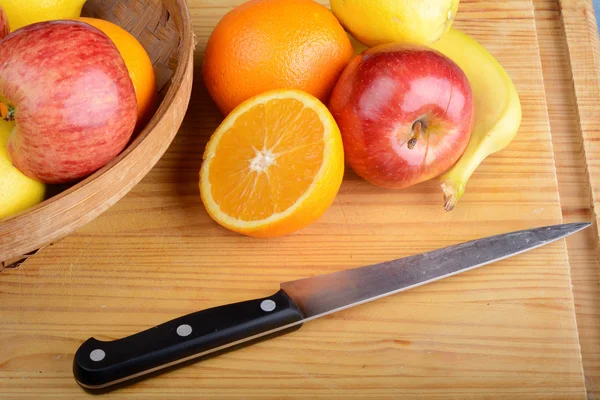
{"points": [[497, 109]]}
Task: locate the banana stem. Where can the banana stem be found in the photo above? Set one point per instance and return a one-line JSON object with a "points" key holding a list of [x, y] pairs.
{"points": [[454, 181]]}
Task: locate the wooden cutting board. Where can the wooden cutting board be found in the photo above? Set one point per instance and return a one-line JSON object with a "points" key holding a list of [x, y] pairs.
{"points": [[504, 331]]}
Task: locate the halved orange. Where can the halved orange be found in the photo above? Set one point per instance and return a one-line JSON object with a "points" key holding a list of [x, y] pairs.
{"points": [[274, 165]]}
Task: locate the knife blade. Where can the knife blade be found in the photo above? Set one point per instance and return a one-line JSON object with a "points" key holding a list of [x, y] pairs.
{"points": [[104, 364]]}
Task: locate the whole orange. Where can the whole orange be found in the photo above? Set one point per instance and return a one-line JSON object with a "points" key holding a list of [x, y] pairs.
{"points": [[138, 65], [264, 45]]}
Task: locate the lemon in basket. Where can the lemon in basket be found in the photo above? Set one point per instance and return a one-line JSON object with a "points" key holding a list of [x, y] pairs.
{"points": [[17, 191], [26, 12]]}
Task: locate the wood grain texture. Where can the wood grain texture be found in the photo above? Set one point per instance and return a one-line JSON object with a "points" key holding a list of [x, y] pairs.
{"points": [[573, 179], [82, 202], [506, 331], [584, 51]]}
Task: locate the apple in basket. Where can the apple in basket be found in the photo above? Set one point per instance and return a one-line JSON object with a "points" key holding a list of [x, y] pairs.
{"points": [[67, 89]]}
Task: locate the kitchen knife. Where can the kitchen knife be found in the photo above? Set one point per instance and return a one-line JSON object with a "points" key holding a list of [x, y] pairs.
{"points": [[99, 364]]}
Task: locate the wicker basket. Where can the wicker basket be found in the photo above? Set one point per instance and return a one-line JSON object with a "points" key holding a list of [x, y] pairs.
{"points": [[164, 28]]}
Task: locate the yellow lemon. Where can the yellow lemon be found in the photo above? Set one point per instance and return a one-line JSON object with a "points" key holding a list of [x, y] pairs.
{"points": [[26, 12], [17, 191], [376, 22]]}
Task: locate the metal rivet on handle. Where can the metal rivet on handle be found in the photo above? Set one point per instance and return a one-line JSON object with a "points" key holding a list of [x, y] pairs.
{"points": [[267, 305], [184, 330], [97, 355]]}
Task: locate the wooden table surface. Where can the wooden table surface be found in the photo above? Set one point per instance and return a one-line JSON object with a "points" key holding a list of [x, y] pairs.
{"points": [[571, 68], [506, 331]]}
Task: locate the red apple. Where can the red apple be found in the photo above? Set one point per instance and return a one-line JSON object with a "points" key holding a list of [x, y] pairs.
{"points": [[4, 28], [405, 114], [68, 90]]}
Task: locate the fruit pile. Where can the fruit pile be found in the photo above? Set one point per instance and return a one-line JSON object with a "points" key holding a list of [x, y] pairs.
{"points": [[73, 92], [412, 100], [424, 102]]}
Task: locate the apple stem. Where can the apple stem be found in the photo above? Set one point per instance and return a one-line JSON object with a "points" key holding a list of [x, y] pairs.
{"points": [[10, 115], [417, 128], [10, 112]]}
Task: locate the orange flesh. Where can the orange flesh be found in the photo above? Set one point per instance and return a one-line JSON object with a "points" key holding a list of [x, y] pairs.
{"points": [[267, 160]]}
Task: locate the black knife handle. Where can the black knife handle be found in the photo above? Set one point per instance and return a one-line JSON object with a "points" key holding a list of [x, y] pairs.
{"points": [[99, 364]]}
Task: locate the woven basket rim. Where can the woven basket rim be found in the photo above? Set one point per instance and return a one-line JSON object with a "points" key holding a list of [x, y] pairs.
{"points": [[186, 51]]}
